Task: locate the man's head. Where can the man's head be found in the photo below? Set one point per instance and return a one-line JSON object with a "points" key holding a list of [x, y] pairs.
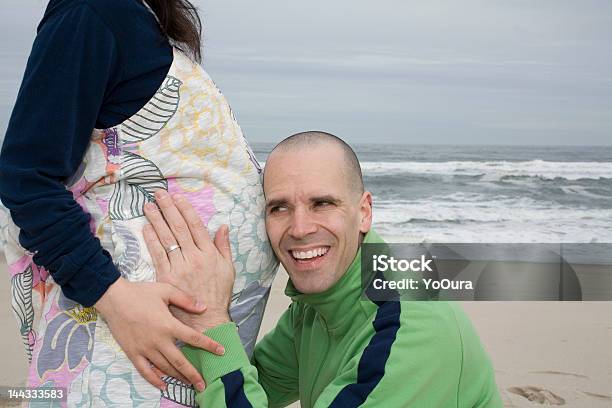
{"points": [[316, 208]]}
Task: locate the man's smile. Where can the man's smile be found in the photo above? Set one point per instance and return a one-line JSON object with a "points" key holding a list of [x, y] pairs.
{"points": [[309, 258]]}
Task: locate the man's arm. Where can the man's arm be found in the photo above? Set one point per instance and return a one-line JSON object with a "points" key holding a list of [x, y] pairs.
{"points": [[232, 381]]}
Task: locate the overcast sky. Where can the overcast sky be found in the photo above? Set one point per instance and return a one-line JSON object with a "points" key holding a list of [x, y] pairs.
{"points": [[475, 72]]}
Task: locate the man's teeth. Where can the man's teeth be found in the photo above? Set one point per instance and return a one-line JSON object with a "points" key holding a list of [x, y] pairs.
{"points": [[310, 254]]}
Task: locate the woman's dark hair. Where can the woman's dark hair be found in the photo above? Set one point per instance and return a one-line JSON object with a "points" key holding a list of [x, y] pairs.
{"points": [[180, 21]]}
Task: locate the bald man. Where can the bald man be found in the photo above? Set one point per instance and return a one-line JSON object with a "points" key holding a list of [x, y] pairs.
{"points": [[330, 348]]}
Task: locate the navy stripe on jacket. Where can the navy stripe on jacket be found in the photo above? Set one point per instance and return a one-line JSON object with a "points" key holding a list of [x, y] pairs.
{"points": [[371, 368], [234, 390]]}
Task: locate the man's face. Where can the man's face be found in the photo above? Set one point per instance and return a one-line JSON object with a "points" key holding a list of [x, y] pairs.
{"points": [[313, 218]]}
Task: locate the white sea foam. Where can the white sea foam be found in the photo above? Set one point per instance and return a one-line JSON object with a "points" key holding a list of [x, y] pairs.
{"points": [[583, 192], [463, 217], [495, 170]]}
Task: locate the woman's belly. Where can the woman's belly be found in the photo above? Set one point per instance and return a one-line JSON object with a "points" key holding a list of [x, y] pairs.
{"points": [[216, 173]]}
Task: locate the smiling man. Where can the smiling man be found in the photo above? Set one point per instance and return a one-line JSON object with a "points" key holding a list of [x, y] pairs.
{"points": [[317, 212], [330, 348]]}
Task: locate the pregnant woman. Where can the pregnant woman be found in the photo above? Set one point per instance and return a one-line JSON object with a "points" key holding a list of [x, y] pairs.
{"points": [[113, 113]]}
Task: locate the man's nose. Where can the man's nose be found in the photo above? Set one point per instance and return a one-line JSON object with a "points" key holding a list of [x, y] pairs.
{"points": [[302, 224]]}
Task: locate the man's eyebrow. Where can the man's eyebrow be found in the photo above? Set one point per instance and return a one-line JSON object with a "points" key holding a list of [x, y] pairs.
{"points": [[328, 198], [276, 202]]}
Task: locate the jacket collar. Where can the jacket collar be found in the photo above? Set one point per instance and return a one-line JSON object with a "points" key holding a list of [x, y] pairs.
{"points": [[337, 304]]}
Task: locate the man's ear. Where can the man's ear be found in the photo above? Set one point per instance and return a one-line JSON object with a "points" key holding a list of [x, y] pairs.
{"points": [[365, 212]]}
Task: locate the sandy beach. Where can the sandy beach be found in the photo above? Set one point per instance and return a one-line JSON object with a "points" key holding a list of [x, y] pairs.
{"points": [[559, 352]]}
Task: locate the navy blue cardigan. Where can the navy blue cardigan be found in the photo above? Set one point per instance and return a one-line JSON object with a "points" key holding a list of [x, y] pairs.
{"points": [[94, 63]]}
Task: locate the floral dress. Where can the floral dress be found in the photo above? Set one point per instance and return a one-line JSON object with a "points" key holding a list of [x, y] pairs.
{"points": [[184, 140]]}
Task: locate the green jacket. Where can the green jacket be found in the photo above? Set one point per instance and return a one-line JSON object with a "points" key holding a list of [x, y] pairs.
{"points": [[333, 349]]}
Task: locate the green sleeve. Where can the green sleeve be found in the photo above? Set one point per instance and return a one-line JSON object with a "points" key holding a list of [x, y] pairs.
{"points": [[231, 379], [427, 365]]}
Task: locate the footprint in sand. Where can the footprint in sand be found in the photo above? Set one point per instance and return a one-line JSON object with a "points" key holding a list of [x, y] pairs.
{"points": [[538, 395], [600, 396], [560, 373]]}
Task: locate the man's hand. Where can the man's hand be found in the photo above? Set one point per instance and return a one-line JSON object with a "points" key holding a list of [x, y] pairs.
{"points": [[201, 268], [138, 316]]}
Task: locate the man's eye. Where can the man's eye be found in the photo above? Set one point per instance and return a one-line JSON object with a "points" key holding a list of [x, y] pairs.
{"points": [[323, 203], [276, 209]]}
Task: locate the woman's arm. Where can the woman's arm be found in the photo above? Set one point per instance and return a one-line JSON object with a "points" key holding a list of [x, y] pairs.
{"points": [[73, 59], [73, 66]]}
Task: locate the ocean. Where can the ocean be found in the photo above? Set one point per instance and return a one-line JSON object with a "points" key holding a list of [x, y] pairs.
{"points": [[469, 193]]}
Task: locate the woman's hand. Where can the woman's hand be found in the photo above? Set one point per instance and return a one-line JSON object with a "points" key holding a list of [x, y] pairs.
{"points": [[138, 316], [199, 267]]}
